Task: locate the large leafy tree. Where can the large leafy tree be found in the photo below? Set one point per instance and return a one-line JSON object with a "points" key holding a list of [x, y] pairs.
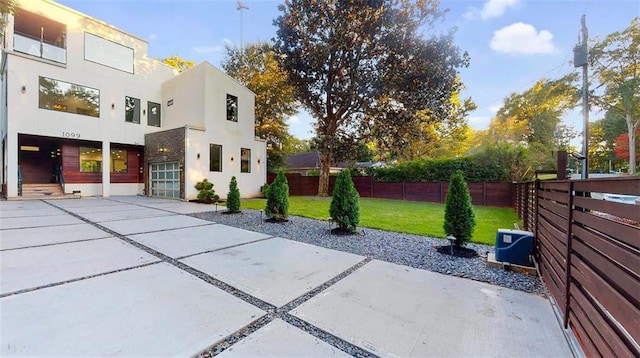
{"points": [[7, 7], [615, 62], [256, 67], [178, 63], [363, 66]]}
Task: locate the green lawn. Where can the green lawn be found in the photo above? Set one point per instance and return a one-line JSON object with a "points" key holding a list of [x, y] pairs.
{"points": [[401, 216]]}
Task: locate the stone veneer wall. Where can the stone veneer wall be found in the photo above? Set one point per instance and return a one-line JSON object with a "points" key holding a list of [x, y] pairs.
{"points": [[173, 140]]}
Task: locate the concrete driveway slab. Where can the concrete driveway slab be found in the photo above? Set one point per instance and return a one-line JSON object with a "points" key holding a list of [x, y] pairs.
{"points": [[193, 240], [280, 339], [160, 223], [12, 213], [28, 222], [276, 270], [40, 266], [84, 202], [156, 310], [102, 209], [394, 310], [17, 238], [134, 213], [181, 207], [142, 200], [23, 205]]}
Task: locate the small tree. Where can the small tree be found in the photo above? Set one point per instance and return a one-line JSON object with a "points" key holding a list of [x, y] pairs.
{"points": [[233, 197], [278, 198], [345, 205], [206, 194], [459, 218]]}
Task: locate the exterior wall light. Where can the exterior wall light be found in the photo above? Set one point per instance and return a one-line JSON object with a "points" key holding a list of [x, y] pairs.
{"points": [[113, 106], [198, 156], [232, 159], [258, 160], [24, 89]]}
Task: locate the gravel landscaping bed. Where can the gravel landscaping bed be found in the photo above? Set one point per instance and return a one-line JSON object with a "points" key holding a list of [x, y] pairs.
{"points": [[404, 249]]}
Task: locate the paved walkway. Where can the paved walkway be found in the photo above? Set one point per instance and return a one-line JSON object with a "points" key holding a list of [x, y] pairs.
{"points": [[133, 276]]}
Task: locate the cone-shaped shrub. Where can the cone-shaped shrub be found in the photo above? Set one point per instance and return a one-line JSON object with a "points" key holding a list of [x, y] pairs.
{"points": [[233, 197], [278, 198], [206, 193], [345, 204], [459, 219]]}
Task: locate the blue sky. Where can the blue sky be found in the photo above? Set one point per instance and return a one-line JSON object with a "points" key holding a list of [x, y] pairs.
{"points": [[512, 43]]}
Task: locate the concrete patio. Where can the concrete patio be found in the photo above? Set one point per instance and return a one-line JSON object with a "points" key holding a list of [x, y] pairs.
{"points": [[133, 276]]}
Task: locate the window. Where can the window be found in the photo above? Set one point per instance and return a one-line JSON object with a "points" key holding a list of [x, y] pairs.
{"points": [[90, 160], [108, 53], [39, 36], [232, 108], [118, 161], [68, 97], [215, 158], [132, 110], [153, 110], [245, 160]]}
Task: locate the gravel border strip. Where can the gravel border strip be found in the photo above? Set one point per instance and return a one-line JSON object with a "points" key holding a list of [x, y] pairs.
{"points": [[404, 249]]}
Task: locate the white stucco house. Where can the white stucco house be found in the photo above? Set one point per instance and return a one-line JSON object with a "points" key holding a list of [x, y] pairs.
{"points": [[83, 107]]}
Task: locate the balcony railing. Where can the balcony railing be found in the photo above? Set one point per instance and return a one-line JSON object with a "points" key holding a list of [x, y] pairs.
{"points": [[26, 44]]}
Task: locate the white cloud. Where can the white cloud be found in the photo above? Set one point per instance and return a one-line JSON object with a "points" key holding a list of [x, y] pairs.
{"points": [[492, 8], [521, 38], [494, 108]]}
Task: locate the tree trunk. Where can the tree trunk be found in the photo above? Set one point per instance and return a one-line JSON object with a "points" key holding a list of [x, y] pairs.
{"points": [[325, 165], [632, 144]]}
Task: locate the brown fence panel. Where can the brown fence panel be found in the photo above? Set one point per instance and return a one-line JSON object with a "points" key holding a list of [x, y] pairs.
{"points": [[388, 190], [431, 192], [589, 258], [364, 186], [499, 194]]}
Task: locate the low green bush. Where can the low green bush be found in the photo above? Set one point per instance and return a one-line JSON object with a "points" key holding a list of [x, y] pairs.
{"points": [[206, 193], [278, 198], [459, 218], [233, 197], [345, 204]]}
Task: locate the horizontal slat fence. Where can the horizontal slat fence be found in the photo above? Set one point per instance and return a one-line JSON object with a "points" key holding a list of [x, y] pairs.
{"points": [[484, 194], [588, 251]]}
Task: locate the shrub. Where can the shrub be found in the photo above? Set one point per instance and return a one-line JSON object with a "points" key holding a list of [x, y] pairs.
{"points": [[233, 197], [206, 193], [264, 190], [459, 219], [278, 198], [345, 204]]}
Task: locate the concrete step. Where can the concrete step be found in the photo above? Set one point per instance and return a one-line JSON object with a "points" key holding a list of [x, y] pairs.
{"points": [[43, 191]]}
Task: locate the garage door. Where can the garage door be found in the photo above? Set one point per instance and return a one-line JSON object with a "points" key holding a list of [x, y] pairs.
{"points": [[165, 180]]}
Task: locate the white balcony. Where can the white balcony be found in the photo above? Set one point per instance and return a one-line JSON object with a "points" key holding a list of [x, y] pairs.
{"points": [[37, 48]]}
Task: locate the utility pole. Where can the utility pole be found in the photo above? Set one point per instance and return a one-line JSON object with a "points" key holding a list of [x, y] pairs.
{"points": [[580, 59], [241, 7]]}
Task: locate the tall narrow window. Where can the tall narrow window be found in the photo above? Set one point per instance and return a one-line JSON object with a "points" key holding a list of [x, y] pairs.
{"points": [[245, 160], [232, 108], [215, 157], [132, 110], [153, 114]]}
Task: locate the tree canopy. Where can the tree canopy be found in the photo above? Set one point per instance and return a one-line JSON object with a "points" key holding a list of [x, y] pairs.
{"points": [[364, 68], [178, 63], [7, 7], [615, 61], [256, 67]]}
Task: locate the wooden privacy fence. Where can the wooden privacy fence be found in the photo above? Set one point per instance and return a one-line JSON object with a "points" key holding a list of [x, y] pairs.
{"points": [[588, 251], [485, 194]]}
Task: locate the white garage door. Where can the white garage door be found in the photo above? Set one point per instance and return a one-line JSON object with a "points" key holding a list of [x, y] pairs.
{"points": [[165, 180]]}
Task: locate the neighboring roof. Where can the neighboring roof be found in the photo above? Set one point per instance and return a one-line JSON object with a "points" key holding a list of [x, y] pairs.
{"points": [[304, 160]]}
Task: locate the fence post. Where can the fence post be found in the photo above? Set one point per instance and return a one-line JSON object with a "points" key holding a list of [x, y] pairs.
{"points": [[567, 268]]}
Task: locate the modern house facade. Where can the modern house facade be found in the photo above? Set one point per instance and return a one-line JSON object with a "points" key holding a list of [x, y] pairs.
{"points": [[83, 106]]}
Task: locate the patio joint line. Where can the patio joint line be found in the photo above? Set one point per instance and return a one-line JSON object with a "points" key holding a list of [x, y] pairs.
{"points": [[272, 311], [283, 314], [197, 273], [77, 279], [56, 243], [152, 207], [225, 248]]}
